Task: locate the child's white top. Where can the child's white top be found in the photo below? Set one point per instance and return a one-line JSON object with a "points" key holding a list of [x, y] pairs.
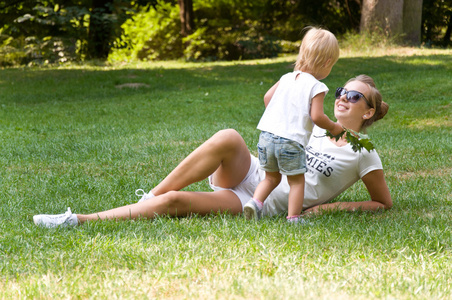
{"points": [[287, 114]]}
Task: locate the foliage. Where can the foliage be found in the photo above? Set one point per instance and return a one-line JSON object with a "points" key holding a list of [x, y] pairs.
{"points": [[57, 31], [247, 43], [151, 34], [437, 23], [251, 29], [9, 55], [248, 29], [48, 31], [357, 140]]}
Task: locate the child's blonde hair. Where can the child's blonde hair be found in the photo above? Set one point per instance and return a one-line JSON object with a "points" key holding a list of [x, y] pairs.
{"points": [[317, 47]]}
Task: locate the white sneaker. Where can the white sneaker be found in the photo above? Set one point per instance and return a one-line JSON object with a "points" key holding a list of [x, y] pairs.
{"points": [[251, 210], [141, 193], [50, 221]]}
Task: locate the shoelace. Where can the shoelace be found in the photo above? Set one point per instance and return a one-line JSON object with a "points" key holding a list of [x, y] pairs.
{"points": [[67, 215], [60, 219], [141, 193], [137, 192], [63, 217]]}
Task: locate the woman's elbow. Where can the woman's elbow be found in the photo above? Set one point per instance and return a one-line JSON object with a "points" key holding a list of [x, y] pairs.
{"points": [[387, 203]]}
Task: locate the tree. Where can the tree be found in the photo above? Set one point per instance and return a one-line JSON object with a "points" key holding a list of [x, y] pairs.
{"points": [[395, 18], [386, 15], [186, 17], [100, 29], [412, 21]]}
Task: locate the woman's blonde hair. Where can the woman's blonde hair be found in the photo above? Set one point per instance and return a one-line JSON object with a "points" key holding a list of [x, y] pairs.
{"points": [[317, 47], [374, 97]]}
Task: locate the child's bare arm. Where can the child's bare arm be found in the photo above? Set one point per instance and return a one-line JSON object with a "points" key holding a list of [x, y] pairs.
{"points": [[268, 96], [320, 119]]}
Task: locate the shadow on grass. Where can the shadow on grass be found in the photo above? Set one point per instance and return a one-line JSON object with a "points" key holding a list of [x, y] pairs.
{"points": [[27, 86]]}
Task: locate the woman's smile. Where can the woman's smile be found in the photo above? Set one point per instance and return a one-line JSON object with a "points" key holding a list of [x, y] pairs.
{"points": [[340, 106]]}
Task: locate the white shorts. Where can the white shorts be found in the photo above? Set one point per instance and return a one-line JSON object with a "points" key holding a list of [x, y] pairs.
{"points": [[245, 189], [276, 202]]}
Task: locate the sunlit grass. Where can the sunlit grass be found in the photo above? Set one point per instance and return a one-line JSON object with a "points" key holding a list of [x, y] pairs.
{"points": [[88, 136]]}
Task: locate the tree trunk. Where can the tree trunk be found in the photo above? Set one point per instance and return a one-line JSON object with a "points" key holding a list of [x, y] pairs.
{"points": [[100, 29], [382, 15], [186, 17], [446, 38], [412, 21]]}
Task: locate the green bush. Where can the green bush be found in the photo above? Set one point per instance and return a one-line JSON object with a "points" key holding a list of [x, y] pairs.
{"points": [[224, 31], [9, 54], [152, 34], [244, 43]]}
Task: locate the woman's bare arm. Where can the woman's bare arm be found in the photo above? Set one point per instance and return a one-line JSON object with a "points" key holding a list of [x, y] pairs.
{"points": [[378, 191]]}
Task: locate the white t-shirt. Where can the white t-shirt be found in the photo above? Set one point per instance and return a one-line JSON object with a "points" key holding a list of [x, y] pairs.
{"points": [[331, 170], [288, 113]]}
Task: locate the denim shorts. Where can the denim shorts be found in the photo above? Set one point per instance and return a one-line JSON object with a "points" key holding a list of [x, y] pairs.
{"points": [[278, 154]]}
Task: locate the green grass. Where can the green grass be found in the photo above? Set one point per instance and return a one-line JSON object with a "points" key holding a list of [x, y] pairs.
{"points": [[71, 137]]}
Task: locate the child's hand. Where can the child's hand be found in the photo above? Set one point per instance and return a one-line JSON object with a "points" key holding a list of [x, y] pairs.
{"points": [[338, 129]]}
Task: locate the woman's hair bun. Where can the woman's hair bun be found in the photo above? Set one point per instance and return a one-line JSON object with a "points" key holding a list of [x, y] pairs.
{"points": [[384, 107]]}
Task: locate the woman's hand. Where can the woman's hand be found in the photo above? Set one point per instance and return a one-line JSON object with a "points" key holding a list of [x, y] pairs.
{"points": [[378, 191]]}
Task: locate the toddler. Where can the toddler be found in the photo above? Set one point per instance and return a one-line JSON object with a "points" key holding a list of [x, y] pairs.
{"points": [[286, 125]]}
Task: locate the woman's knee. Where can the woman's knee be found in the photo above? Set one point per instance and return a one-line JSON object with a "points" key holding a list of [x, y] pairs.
{"points": [[227, 136], [173, 199], [227, 140]]}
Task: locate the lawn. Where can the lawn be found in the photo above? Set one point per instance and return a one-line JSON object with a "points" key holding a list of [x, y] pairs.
{"points": [[88, 136]]}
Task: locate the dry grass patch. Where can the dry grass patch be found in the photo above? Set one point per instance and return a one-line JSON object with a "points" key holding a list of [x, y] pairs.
{"points": [[443, 172], [133, 85], [392, 51], [422, 124]]}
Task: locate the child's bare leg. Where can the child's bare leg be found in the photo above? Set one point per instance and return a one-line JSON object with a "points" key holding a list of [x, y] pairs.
{"points": [[266, 186], [296, 194], [253, 208]]}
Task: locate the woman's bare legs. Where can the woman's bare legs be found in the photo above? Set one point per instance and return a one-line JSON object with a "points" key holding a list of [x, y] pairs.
{"points": [[225, 155], [174, 203]]}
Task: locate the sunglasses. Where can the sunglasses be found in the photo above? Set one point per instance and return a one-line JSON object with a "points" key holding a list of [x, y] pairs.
{"points": [[352, 96]]}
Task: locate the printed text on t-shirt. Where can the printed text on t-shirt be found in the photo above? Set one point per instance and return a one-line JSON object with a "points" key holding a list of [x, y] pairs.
{"points": [[318, 162]]}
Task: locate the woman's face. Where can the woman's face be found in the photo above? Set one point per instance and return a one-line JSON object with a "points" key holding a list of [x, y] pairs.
{"points": [[359, 111]]}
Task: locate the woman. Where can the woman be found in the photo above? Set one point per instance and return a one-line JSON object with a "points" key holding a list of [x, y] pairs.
{"points": [[234, 174]]}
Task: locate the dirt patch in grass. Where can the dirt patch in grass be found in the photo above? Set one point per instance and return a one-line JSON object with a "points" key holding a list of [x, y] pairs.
{"points": [[426, 173], [133, 85], [430, 122]]}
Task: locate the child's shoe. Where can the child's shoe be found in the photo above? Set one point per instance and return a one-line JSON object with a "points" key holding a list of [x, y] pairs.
{"points": [[50, 221], [297, 220], [252, 210]]}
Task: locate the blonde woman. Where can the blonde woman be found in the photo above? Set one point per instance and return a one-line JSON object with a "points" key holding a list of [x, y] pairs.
{"points": [[234, 174]]}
